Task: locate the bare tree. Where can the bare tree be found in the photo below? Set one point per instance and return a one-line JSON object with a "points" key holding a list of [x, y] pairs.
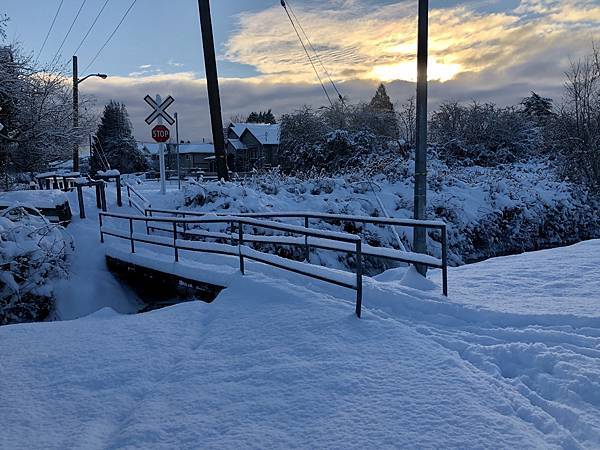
{"points": [[578, 125]]}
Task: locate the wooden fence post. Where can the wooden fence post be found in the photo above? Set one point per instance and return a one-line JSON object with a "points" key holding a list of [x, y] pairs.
{"points": [[119, 199], [101, 232], [306, 247], [81, 203]]}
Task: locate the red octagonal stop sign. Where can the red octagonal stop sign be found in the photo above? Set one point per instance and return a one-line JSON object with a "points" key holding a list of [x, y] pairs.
{"points": [[160, 133]]}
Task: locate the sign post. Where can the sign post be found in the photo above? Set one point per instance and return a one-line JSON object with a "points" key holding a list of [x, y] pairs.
{"points": [[160, 133]]}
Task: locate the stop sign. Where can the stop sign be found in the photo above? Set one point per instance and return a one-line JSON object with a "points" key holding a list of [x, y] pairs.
{"points": [[160, 133]]}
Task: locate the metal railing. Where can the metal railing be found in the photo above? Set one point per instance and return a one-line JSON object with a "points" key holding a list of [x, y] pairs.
{"points": [[307, 216], [131, 191], [241, 250]]}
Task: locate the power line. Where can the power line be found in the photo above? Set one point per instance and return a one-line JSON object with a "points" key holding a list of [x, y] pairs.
{"points": [[315, 52], [91, 27], [69, 30], [306, 51], [111, 36], [49, 31]]}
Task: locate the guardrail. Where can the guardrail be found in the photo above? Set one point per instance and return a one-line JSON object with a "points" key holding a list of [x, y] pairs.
{"points": [[307, 216], [241, 250], [145, 206]]}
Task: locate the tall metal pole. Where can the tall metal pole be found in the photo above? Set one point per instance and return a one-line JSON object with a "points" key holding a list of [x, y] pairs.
{"points": [[161, 154], [177, 137], [420, 234], [75, 115], [212, 82]]}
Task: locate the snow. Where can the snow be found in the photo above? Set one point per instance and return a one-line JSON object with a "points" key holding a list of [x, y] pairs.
{"points": [[510, 360], [38, 199], [108, 173]]}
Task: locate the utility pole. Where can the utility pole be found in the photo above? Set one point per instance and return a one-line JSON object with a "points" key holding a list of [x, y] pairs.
{"points": [[212, 81], [75, 114], [177, 137], [420, 200], [76, 82]]}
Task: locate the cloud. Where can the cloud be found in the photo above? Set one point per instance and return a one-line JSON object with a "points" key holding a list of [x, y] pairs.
{"points": [[366, 42], [476, 53]]}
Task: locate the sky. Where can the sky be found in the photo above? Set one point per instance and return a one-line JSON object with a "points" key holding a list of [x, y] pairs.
{"points": [[484, 50]]}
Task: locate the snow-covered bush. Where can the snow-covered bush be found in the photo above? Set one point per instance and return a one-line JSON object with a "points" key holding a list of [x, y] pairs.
{"points": [[489, 210], [33, 252]]}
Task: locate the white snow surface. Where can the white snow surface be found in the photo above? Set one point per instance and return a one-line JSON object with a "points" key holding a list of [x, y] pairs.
{"points": [[278, 360]]}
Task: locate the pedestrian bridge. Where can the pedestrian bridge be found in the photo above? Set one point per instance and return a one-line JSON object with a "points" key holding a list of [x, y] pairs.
{"points": [[202, 248]]}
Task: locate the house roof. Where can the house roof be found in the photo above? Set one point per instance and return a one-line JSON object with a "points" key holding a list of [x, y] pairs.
{"points": [[237, 144], [266, 134], [203, 148]]}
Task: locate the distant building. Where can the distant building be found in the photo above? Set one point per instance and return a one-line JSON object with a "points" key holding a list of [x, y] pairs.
{"points": [[192, 157], [252, 145]]}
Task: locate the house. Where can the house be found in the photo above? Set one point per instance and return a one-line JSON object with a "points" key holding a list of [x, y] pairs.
{"points": [[192, 157], [252, 145]]}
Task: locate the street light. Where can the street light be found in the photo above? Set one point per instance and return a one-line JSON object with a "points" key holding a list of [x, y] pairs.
{"points": [[76, 82]]}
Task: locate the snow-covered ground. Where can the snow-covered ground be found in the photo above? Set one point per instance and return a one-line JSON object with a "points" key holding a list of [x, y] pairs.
{"points": [[510, 360]]}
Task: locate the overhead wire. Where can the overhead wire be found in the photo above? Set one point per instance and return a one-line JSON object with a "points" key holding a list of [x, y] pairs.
{"points": [[316, 53], [69, 31], [49, 31], [306, 51], [111, 36], [91, 27]]}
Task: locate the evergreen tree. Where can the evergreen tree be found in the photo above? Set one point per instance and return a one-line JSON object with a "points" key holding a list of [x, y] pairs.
{"points": [[261, 117], [115, 140], [537, 107], [381, 100]]}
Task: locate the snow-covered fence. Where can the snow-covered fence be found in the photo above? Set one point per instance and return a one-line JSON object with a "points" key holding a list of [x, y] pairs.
{"points": [[179, 235], [307, 216]]}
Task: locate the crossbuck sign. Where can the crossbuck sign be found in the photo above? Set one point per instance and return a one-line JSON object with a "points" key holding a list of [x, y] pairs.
{"points": [[159, 110]]}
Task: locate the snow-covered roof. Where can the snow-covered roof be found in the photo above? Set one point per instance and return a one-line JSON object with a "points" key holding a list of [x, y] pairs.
{"points": [[265, 133], [237, 144], [202, 148]]}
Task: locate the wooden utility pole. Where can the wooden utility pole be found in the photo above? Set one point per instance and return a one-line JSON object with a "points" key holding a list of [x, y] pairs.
{"points": [[75, 115], [212, 81], [420, 199]]}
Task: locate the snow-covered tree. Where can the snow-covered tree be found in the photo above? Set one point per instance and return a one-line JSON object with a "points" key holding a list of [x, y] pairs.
{"points": [[115, 141], [537, 107], [381, 100], [37, 114]]}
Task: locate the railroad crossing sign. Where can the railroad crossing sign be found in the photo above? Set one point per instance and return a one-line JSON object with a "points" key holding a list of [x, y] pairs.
{"points": [[160, 133], [159, 110]]}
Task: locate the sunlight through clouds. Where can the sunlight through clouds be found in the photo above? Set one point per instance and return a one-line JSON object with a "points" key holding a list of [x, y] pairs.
{"points": [[379, 43]]}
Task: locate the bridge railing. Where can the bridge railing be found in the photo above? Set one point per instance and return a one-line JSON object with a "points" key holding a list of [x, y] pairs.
{"points": [[241, 250], [307, 216], [134, 198]]}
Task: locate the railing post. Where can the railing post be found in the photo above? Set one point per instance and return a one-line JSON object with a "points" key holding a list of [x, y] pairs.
{"points": [[175, 241], [119, 199], [129, 194], [101, 233], [131, 235], [359, 278], [306, 247], [240, 243], [147, 227], [445, 261], [98, 196], [81, 203], [103, 196]]}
